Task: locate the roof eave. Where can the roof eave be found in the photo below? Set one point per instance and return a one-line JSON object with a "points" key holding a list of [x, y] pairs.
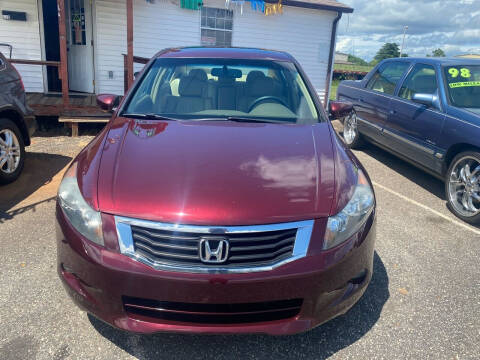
{"points": [[347, 10]]}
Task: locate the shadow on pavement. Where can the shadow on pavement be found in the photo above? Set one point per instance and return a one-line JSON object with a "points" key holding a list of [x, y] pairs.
{"points": [[319, 343], [39, 170], [414, 174]]}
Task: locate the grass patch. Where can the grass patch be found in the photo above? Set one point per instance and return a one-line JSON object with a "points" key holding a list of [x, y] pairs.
{"points": [[333, 89], [354, 67]]}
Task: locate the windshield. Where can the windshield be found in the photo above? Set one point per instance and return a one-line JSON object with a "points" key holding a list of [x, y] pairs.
{"points": [[223, 88], [463, 85]]}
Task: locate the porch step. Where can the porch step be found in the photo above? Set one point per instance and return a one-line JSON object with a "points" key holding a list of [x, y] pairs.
{"points": [[75, 120]]}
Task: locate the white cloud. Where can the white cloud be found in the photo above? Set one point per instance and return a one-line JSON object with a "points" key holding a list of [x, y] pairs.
{"points": [[453, 25]]}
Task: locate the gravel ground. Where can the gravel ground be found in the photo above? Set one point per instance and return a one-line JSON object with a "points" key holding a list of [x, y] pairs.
{"points": [[423, 301]]}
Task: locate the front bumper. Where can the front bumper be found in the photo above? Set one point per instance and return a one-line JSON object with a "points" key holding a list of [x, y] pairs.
{"points": [[99, 281]]}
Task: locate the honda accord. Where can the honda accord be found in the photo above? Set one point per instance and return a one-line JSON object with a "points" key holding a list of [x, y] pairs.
{"points": [[218, 199]]}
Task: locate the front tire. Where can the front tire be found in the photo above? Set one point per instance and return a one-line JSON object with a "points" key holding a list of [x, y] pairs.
{"points": [[462, 186], [351, 136], [12, 151]]}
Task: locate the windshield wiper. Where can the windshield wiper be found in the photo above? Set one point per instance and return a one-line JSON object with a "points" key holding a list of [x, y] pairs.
{"points": [[148, 116], [241, 119], [247, 119]]}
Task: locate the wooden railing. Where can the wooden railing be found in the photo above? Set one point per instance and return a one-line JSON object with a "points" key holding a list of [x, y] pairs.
{"points": [[57, 64], [37, 62], [136, 59]]}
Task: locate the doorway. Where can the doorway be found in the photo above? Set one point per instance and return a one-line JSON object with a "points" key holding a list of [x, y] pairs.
{"points": [[80, 45], [52, 45], [79, 28]]}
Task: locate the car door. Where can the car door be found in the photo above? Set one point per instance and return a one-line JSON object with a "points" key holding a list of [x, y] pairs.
{"points": [[373, 104], [413, 129]]}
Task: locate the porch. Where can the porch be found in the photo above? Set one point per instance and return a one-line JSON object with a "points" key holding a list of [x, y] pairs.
{"points": [[82, 108]]}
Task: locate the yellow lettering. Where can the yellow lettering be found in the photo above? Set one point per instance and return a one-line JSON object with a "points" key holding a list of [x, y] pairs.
{"points": [[464, 84]]}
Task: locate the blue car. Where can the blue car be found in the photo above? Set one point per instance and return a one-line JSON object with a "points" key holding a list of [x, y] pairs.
{"points": [[426, 111]]}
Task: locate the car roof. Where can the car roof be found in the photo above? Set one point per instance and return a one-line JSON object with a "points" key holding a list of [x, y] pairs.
{"points": [[445, 61], [222, 53]]}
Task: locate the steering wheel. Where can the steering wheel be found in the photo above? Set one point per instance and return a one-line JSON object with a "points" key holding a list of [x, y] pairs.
{"points": [[264, 98]]}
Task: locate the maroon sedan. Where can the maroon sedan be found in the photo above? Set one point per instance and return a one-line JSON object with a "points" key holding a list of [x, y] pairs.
{"points": [[217, 200]]}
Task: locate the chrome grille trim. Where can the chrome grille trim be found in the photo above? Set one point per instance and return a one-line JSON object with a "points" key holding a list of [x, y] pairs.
{"points": [[126, 243]]}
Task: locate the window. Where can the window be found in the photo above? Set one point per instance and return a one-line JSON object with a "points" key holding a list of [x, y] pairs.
{"points": [[216, 27], [217, 89], [77, 13], [463, 85], [387, 76], [421, 80]]}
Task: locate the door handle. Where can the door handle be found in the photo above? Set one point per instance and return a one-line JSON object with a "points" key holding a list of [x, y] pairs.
{"points": [[360, 100], [392, 112]]}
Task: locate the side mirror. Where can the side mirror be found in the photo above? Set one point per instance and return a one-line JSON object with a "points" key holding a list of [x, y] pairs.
{"points": [[424, 99], [108, 102], [136, 73], [339, 109]]}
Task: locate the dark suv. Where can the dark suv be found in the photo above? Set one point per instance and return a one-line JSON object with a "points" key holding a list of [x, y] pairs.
{"points": [[17, 122]]}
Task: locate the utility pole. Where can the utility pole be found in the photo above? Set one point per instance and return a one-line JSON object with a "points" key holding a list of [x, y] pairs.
{"points": [[405, 28]]}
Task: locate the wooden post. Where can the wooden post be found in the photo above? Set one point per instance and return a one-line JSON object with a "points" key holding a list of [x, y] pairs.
{"points": [[63, 69], [130, 42]]}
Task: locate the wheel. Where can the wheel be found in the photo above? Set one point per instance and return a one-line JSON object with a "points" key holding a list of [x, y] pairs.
{"points": [[462, 186], [12, 151], [351, 136]]}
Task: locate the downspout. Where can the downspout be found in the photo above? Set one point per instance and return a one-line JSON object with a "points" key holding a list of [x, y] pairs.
{"points": [[330, 58]]}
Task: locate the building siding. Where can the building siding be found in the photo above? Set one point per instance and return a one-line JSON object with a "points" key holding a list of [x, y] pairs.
{"points": [[304, 33], [156, 26], [24, 36]]}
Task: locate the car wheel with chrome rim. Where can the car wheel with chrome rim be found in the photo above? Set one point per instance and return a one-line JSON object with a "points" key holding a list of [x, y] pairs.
{"points": [[12, 151], [462, 186], [351, 136]]}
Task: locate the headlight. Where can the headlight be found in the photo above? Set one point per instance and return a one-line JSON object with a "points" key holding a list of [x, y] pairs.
{"points": [[83, 218], [348, 221]]}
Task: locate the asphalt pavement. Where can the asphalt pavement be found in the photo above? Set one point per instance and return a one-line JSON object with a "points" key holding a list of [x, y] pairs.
{"points": [[423, 301]]}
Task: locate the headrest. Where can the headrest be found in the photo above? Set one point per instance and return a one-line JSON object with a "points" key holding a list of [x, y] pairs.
{"points": [[260, 86], [191, 86], [199, 74], [255, 74], [425, 84]]}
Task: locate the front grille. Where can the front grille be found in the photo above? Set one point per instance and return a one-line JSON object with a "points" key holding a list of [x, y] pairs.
{"points": [[212, 313], [251, 249]]}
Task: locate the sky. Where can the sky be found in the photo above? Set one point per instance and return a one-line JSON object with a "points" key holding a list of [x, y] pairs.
{"points": [[452, 25]]}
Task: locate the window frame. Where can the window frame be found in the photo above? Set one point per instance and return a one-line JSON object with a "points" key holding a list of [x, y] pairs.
{"points": [[215, 29], [377, 70], [440, 84], [410, 71]]}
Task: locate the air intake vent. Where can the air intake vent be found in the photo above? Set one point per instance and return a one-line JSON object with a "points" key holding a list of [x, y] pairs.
{"points": [[212, 313]]}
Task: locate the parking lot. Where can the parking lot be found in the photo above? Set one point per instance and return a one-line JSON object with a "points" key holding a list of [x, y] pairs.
{"points": [[423, 301]]}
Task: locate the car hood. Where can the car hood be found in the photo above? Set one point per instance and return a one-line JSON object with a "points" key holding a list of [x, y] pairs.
{"points": [[216, 172]]}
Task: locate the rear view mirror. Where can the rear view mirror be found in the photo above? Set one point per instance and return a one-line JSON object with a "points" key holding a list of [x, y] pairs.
{"points": [[228, 73], [108, 102], [339, 109]]}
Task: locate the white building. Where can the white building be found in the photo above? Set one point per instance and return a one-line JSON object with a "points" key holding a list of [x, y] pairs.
{"points": [[97, 35]]}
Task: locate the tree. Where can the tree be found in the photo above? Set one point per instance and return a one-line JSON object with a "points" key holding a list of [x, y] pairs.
{"points": [[387, 51], [356, 60], [437, 53]]}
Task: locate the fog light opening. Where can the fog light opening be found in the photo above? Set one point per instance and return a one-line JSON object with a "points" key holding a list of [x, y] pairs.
{"points": [[359, 278]]}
